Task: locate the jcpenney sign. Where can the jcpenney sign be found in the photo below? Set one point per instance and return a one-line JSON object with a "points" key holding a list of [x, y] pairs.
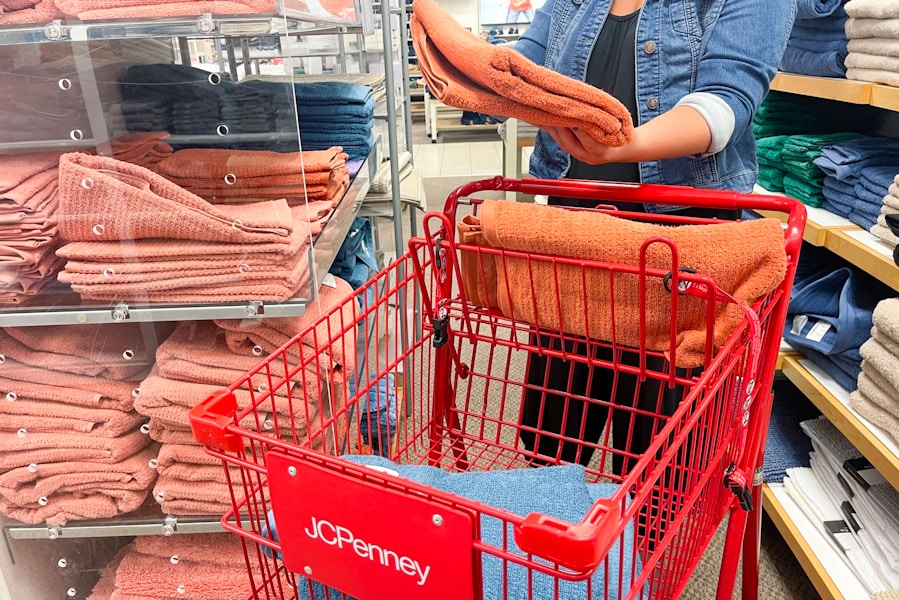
{"points": [[341, 537]]}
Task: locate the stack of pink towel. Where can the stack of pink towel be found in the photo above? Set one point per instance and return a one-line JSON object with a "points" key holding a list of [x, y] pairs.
{"points": [[71, 445], [18, 12], [877, 397], [91, 10], [237, 176], [28, 225], [207, 566], [146, 149], [137, 237], [200, 358]]}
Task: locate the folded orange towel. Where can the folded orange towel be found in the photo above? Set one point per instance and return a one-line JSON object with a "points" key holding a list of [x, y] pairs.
{"points": [[167, 432], [101, 198], [199, 548], [746, 259], [77, 490], [200, 164], [192, 463], [24, 381], [100, 10], [116, 351], [192, 497], [40, 416], [43, 12], [332, 189], [145, 149], [257, 291], [466, 72], [21, 450]]}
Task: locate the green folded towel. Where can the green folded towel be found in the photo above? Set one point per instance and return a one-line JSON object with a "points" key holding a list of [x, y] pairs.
{"points": [[771, 178], [803, 190]]}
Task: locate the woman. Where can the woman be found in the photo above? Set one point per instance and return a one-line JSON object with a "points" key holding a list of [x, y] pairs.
{"points": [[692, 73]]}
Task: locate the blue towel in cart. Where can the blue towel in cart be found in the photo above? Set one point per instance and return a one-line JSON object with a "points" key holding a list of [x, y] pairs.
{"points": [[558, 491]]}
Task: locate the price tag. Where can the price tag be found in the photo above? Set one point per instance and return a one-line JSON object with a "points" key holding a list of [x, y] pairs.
{"points": [[329, 281]]}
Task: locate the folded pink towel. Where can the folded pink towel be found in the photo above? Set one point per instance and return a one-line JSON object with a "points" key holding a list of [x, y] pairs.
{"points": [[221, 549], [16, 169], [105, 587], [115, 351], [145, 149], [191, 463], [198, 497], [39, 384], [88, 10], [24, 486], [21, 450], [101, 198], [76, 507], [40, 416], [169, 432], [106, 255], [35, 196], [44, 11]]}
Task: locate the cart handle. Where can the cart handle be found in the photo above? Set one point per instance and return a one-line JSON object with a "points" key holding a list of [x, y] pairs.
{"points": [[579, 547], [209, 421]]}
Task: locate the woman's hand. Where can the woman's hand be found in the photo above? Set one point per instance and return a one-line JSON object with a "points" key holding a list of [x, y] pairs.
{"points": [[681, 131]]}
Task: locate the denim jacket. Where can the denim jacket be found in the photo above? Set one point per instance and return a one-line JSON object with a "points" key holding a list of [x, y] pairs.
{"points": [[718, 56]]}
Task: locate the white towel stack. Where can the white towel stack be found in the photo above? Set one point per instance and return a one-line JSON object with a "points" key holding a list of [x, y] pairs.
{"points": [[873, 32]]}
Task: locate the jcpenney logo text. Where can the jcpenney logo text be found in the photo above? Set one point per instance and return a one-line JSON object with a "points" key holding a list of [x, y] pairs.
{"points": [[336, 535]]}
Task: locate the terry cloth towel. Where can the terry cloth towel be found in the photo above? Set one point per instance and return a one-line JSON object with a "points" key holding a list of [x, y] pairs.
{"points": [[193, 164], [874, 62], [200, 548], [872, 9], [710, 249], [872, 28], [109, 351], [878, 356], [105, 587], [40, 416], [558, 491], [874, 75], [877, 388], [43, 11], [886, 319], [787, 445], [822, 431], [144, 149], [867, 408], [101, 198], [882, 231], [876, 46], [21, 450], [76, 490], [180, 497], [20, 380], [846, 160], [466, 72], [892, 595], [192, 463], [170, 433], [92, 10]]}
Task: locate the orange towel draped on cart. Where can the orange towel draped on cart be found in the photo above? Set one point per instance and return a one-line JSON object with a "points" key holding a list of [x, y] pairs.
{"points": [[746, 259], [466, 72]]}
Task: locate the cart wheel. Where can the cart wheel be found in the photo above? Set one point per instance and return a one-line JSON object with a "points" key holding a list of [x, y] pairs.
{"points": [[433, 141]]}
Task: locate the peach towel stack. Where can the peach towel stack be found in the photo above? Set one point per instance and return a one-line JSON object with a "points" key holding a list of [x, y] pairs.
{"points": [[205, 566], [746, 259], [93, 10], [145, 149], [28, 225], [72, 447], [137, 237], [466, 72], [195, 362], [238, 176]]}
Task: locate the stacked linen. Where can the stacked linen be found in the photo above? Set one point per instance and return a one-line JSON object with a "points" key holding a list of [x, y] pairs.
{"points": [[817, 43], [93, 10], [15, 12], [142, 149], [833, 499], [71, 445], [881, 228], [173, 246], [769, 151], [28, 225], [877, 397], [804, 180], [873, 31], [239, 176], [845, 165], [207, 566], [829, 317], [248, 110]]}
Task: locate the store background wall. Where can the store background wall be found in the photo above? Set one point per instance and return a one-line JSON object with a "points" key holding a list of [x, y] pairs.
{"points": [[464, 11]]}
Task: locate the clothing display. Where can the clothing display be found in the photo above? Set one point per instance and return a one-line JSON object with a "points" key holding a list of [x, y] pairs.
{"points": [[464, 71], [873, 32], [602, 237]]}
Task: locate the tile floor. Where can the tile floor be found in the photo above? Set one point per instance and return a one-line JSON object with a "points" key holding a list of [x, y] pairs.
{"points": [[461, 155]]}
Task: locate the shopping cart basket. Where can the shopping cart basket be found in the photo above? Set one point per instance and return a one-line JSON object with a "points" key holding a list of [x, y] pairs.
{"points": [[432, 363]]}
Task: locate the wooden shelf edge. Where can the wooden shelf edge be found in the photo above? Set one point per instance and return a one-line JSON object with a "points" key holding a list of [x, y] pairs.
{"points": [[843, 419], [804, 553], [867, 259], [885, 96], [828, 88]]}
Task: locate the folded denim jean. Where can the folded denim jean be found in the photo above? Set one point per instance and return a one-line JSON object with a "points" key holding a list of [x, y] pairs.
{"points": [[830, 315]]}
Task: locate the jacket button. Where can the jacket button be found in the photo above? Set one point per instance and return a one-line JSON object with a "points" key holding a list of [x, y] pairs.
{"points": [[652, 103], [649, 47]]}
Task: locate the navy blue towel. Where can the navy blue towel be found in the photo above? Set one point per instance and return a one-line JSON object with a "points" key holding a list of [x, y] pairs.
{"points": [[787, 444]]}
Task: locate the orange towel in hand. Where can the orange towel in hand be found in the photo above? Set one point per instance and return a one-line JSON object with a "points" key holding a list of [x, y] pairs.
{"points": [[746, 259], [464, 71]]}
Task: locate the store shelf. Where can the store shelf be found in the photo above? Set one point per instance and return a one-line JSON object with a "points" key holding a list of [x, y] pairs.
{"points": [[148, 520], [885, 96], [818, 224], [833, 401], [326, 245], [866, 252], [841, 90], [810, 548]]}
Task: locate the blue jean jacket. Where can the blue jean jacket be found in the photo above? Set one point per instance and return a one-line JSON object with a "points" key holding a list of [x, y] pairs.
{"points": [[723, 54]]}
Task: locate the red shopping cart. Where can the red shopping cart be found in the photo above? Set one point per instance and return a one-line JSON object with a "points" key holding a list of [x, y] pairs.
{"points": [[432, 363]]}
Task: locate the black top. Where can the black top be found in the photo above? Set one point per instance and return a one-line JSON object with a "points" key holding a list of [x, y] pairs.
{"points": [[612, 68]]}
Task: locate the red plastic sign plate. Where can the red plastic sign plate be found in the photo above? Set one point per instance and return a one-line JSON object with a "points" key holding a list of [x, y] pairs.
{"points": [[366, 541]]}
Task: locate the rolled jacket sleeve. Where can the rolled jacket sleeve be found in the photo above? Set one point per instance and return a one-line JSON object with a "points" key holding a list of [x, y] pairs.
{"points": [[741, 52]]}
